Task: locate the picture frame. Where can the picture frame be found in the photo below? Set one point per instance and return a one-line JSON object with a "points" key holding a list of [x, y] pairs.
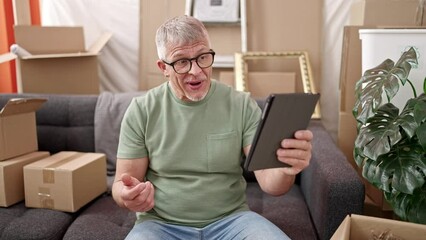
{"points": [[241, 70]]}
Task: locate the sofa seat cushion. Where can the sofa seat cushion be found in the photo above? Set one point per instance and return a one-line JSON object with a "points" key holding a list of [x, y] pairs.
{"points": [[18, 222], [288, 212], [102, 219]]}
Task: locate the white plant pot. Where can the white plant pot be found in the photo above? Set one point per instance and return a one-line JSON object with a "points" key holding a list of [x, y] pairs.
{"points": [[381, 44]]}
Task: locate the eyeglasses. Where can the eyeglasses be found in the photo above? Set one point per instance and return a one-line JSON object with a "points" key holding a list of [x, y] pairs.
{"points": [[184, 65]]}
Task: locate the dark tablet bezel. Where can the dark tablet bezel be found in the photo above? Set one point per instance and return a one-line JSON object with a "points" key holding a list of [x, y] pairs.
{"points": [[282, 116]]}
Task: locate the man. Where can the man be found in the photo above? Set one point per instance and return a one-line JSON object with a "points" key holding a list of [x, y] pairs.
{"points": [[180, 146]]}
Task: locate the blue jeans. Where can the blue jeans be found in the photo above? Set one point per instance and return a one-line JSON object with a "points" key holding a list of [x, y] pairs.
{"points": [[244, 225]]}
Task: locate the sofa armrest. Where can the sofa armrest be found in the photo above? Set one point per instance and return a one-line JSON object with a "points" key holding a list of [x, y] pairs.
{"points": [[331, 186]]}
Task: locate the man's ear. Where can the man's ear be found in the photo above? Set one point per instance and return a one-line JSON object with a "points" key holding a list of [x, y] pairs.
{"points": [[162, 66]]}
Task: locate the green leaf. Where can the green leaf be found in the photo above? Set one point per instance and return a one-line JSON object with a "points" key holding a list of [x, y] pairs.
{"points": [[421, 135], [399, 202], [407, 117], [369, 90], [402, 169], [420, 109], [424, 85], [409, 207], [416, 211], [369, 172], [385, 77], [420, 118], [359, 157], [403, 66], [380, 132]]}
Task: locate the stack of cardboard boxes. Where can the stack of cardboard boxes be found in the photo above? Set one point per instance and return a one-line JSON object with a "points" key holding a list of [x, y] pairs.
{"points": [[368, 14], [65, 181]]}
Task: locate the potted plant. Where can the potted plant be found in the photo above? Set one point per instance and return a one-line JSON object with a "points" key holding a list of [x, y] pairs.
{"points": [[390, 147]]}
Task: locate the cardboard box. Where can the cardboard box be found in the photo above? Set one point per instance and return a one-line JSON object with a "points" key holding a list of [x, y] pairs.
{"points": [[261, 84], [65, 181], [364, 227], [388, 13], [12, 177], [18, 132], [350, 73], [58, 61]]}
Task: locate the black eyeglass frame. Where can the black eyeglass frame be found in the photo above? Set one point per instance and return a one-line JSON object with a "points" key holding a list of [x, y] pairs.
{"points": [[172, 64]]}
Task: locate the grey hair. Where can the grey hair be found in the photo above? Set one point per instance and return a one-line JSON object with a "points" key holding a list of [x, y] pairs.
{"points": [[181, 30]]}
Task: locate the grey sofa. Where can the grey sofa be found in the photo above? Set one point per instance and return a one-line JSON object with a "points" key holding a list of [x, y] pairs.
{"points": [[324, 194]]}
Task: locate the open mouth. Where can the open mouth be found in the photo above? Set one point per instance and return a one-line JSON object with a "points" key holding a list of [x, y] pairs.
{"points": [[195, 83]]}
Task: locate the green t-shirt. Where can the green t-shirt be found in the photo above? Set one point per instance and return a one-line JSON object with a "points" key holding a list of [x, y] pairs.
{"points": [[194, 151]]}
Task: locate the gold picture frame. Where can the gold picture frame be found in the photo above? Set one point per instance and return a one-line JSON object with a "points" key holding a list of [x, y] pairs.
{"points": [[241, 71]]}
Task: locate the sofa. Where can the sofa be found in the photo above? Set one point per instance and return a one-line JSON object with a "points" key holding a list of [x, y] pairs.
{"points": [[324, 193]]}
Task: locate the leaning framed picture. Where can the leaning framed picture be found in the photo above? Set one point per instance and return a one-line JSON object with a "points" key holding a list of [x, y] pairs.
{"points": [[216, 10], [241, 70]]}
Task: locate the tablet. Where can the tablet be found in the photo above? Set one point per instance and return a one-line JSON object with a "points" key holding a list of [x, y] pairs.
{"points": [[283, 114]]}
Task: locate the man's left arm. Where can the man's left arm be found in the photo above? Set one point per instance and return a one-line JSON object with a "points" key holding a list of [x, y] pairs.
{"points": [[295, 152]]}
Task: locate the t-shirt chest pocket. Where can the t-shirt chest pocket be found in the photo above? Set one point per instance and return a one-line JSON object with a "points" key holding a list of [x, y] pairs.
{"points": [[223, 152]]}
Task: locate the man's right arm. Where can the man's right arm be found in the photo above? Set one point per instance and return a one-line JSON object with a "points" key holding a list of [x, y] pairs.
{"points": [[129, 189]]}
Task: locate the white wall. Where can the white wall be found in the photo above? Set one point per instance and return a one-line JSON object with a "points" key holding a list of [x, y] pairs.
{"points": [[119, 59], [335, 17]]}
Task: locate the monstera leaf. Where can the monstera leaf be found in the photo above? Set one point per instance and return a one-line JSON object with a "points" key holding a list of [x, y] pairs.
{"points": [[402, 169], [380, 132], [385, 77], [420, 118], [409, 207]]}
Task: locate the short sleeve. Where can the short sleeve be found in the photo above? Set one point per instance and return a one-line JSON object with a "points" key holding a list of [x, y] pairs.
{"points": [[132, 132], [252, 115]]}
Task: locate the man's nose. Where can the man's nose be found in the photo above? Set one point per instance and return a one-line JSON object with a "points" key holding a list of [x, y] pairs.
{"points": [[194, 67]]}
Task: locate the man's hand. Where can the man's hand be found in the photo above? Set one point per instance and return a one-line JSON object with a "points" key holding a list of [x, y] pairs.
{"points": [[296, 152], [137, 196]]}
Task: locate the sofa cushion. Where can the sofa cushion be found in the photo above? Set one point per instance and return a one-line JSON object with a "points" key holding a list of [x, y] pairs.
{"points": [[106, 217], [289, 212], [103, 219], [18, 222]]}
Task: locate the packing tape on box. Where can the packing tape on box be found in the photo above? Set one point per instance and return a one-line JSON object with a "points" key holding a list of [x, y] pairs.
{"points": [[45, 199], [49, 171], [420, 12]]}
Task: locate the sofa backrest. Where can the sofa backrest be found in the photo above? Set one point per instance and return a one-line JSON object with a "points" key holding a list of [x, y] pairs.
{"points": [[110, 110]]}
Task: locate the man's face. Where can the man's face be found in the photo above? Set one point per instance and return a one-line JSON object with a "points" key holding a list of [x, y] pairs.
{"points": [[195, 84]]}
